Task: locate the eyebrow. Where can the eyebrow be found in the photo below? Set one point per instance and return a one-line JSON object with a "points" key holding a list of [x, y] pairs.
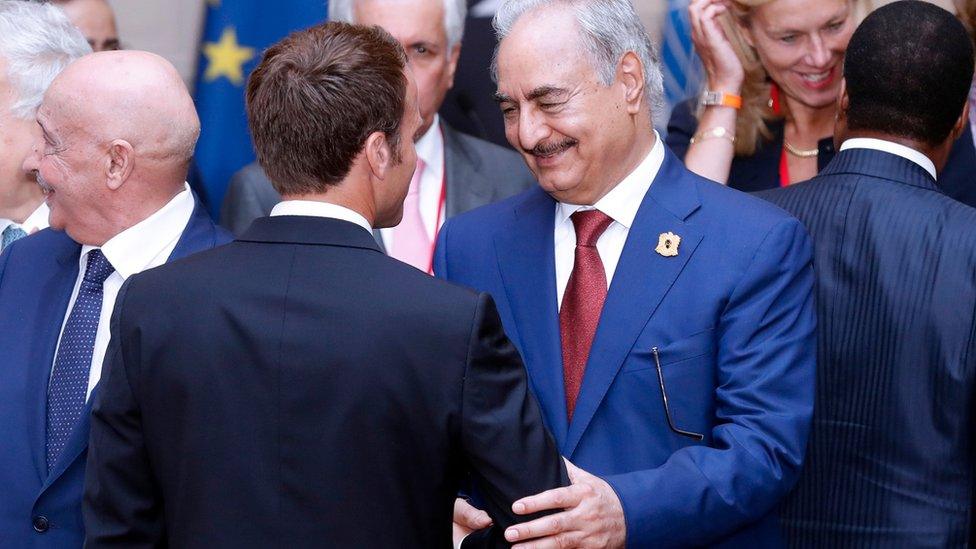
{"points": [[538, 93]]}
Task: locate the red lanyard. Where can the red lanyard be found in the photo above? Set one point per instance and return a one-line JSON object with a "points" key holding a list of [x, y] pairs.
{"points": [[784, 169], [440, 204]]}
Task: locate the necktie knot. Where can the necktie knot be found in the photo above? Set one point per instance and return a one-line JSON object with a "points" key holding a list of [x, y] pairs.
{"points": [[11, 234], [98, 268], [589, 225]]}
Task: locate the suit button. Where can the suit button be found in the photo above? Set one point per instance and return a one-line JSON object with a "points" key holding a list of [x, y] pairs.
{"points": [[41, 524]]}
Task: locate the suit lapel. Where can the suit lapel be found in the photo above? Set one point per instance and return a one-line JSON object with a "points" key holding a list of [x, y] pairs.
{"points": [[641, 281], [525, 258], [199, 234], [53, 307]]}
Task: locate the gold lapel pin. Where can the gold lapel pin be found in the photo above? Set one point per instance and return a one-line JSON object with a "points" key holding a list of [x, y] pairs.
{"points": [[667, 244]]}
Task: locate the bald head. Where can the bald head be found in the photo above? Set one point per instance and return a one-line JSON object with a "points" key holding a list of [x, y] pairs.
{"points": [[118, 131], [133, 96]]}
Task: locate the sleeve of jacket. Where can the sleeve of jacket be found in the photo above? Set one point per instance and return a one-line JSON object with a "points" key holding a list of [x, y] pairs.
{"points": [[765, 370], [506, 444], [681, 127], [121, 505]]}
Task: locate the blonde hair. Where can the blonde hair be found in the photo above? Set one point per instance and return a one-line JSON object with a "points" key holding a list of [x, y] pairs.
{"points": [[751, 123]]}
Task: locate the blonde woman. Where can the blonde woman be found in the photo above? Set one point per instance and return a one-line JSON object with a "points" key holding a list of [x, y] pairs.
{"points": [[773, 77]]}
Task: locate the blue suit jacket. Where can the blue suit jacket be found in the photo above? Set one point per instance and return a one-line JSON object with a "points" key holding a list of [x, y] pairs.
{"points": [[891, 460], [733, 323], [37, 275]]}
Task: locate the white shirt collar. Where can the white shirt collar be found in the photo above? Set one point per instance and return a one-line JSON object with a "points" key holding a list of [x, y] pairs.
{"points": [[35, 222], [313, 208], [148, 243], [892, 148], [623, 201]]}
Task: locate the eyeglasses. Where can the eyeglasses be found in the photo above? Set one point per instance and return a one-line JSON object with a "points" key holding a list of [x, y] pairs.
{"points": [[667, 409]]}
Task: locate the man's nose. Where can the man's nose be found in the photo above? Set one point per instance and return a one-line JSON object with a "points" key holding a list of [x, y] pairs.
{"points": [[533, 128]]}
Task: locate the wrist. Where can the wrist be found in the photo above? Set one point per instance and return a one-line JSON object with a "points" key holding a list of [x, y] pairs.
{"points": [[714, 98], [732, 87]]}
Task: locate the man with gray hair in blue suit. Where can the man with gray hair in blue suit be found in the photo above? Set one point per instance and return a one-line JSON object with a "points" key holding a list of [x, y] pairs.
{"points": [[36, 43], [455, 172]]}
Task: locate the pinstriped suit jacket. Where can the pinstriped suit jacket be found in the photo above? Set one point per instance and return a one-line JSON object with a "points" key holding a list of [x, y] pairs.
{"points": [[890, 459]]}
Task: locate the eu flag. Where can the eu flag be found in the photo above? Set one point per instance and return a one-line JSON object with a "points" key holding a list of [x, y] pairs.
{"points": [[236, 33]]}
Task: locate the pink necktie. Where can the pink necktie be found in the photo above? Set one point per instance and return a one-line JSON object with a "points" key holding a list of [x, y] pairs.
{"points": [[411, 243]]}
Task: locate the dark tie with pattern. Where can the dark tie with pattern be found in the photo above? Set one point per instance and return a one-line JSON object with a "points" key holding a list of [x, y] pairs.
{"points": [[69, 381], [582, 301]]}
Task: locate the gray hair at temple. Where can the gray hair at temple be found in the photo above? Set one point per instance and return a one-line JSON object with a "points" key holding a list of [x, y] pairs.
{"points": [[455, 12], [37, 42], [609, 29]]}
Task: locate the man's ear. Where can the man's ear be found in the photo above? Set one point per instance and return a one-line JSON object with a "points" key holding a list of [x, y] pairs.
{"points": [[630, 72], [843, 100], [379, 155], [960, 126], [119, 163], [452, 61]]}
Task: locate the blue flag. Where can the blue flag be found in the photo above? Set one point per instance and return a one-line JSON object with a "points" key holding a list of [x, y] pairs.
{"points": [[236, 34], [683, 71]]}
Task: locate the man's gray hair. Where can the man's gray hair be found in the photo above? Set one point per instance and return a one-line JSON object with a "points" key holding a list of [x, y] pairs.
{"points": [[37, 42], [455, 11], [609, 29]]}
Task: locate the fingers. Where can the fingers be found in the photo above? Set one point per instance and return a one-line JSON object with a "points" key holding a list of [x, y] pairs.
{"points": [[470, 517], [546, 526], [559, 498], [557, 542]]}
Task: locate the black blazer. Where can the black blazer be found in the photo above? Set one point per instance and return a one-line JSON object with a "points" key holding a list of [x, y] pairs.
{"points": [[298, 388], [760, 171], [890, 458]]}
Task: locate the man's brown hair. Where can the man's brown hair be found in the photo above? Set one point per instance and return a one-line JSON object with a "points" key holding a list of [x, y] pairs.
{"points": [[317, 96]]}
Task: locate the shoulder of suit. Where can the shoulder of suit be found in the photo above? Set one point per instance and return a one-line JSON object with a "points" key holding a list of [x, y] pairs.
{"points": [[746, 211]]}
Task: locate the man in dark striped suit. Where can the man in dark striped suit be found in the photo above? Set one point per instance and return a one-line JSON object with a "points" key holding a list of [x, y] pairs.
{"points": [[890, 460]]}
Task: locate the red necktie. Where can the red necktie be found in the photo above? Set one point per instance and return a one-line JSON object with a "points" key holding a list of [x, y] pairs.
{"points": [[582, 302]]}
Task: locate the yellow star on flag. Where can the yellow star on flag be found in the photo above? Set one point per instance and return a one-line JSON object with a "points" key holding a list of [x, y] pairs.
{"points": [[226, 58]]}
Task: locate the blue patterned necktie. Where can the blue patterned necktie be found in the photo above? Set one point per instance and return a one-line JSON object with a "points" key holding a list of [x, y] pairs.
{"points": [[69, 382], [9, 235]]}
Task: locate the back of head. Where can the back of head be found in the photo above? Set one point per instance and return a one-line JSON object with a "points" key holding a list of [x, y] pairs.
{"points": [[36, 42], [316, 97], [609, 29], [908, 69]]}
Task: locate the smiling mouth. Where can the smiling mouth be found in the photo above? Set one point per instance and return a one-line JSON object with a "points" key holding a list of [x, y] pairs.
{"points": [[44, 185], [545, 151], [817, 80]]}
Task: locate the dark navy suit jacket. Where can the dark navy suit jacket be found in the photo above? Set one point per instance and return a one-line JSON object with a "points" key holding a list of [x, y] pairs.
{"points": [[890, 462], [761, 170], [37, 275], [299, 388], [732, 321]]}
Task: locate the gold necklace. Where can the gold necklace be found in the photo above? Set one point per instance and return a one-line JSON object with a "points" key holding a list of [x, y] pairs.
{"points": [[809, 153]]}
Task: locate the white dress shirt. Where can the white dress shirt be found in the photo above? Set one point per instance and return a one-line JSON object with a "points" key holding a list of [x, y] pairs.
{"points": [[145, 245], [892, 148], [36, 221], [621, 204], [314, 208], [430, 149]]}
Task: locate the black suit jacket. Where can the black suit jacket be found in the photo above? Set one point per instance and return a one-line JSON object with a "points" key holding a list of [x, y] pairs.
{"points": [[760, 171], [890, 458], [298, 388]]}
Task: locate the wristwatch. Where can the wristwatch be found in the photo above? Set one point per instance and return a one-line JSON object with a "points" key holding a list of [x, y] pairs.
{"points": [[721, 99]]}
